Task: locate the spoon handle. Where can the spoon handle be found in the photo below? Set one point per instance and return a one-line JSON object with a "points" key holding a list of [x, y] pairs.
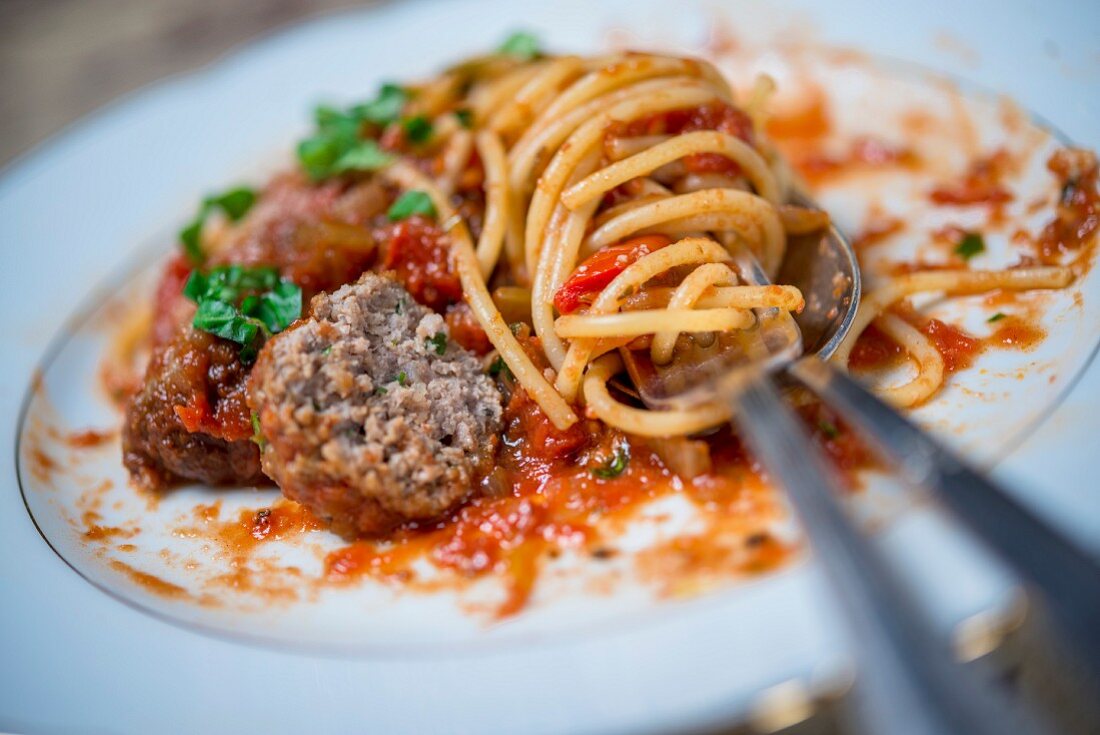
{"points": [[1067, 577], [908, 682]]}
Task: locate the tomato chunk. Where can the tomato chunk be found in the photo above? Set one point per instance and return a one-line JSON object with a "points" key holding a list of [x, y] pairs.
{"points": [[420, 255], [602, 267]]}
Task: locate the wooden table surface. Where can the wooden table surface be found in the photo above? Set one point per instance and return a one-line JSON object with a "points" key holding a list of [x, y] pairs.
{"points": [[61, 59]]}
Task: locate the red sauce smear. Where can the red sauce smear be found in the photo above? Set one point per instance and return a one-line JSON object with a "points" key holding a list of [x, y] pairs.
{"points": [[89, 438], [863, 153], [1078, 212], [875, 351], [981, 184]]}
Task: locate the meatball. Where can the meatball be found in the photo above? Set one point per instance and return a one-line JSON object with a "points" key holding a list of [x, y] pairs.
{"points": [[190, 419], [372, 416]]}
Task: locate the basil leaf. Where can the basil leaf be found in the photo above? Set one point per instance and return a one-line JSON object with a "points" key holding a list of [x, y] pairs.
{"points": [[465, 117], [438, 342], [410, 203], [365, 155], [190, 236], [996, 317], [418, 129], [279, 307], [616, 465], [225, 321], [499, 367], [235, 202], [196, 286], [385, 108], [970, 245], [317, 155], [257, 432], [522, 45]]}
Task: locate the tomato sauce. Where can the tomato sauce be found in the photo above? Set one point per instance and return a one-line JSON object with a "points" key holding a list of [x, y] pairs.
{"points": [[980, 185], [1077, 217], [418, 252], [875, 351], [717, 116], [864, 153]]}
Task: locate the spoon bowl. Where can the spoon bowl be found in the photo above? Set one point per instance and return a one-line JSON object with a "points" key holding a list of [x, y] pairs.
{"points": [[823, 266]]}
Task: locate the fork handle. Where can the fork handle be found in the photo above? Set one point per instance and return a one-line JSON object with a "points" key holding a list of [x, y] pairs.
{"points": [[908, 682], [1066, 576]]}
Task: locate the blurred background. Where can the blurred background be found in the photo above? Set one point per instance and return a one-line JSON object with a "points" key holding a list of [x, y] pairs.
{"points": [[61, 59]]}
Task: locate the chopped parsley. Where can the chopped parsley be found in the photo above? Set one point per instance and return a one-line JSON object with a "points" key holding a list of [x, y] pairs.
{"points": [[522, 45], [257, 433], [380, 390], [233, 203], [386, 107], [971, 244], [500, 367], [465, 117], [338, 145], [438, 341], [402, 379], [616, 465], [996, 317], [410, 203], [417, 129], [243, 305], [828, 429], [327, 351]]}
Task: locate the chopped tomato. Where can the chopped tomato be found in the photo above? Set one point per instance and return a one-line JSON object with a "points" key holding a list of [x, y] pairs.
{"points": [[718, 116], [526, 423], [197, 416], [602, 267], [466, 330], [420, 255]]}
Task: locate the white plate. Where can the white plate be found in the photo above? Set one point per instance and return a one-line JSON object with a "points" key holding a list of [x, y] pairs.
{"points": [[83, 206]]}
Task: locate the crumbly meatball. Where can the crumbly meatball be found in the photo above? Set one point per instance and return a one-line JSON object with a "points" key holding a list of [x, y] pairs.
{"points": [[365, 422]]}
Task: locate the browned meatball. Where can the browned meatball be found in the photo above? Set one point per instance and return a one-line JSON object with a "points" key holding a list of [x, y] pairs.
{"points": [[190, 420], [372, 416]]}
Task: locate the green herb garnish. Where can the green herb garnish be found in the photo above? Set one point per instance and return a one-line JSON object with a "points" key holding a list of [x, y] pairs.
{"points": [[439, 342], [385, 108], [616, 465], [971, 244], [234, 203], [417, 129], [380, 391], [327, 351], [828, 429], [257, 433], [339, 147], [996, 317], [243, 304], [410, 203], [402, 379], [500, 367], [465, 117], [521, 45]]}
